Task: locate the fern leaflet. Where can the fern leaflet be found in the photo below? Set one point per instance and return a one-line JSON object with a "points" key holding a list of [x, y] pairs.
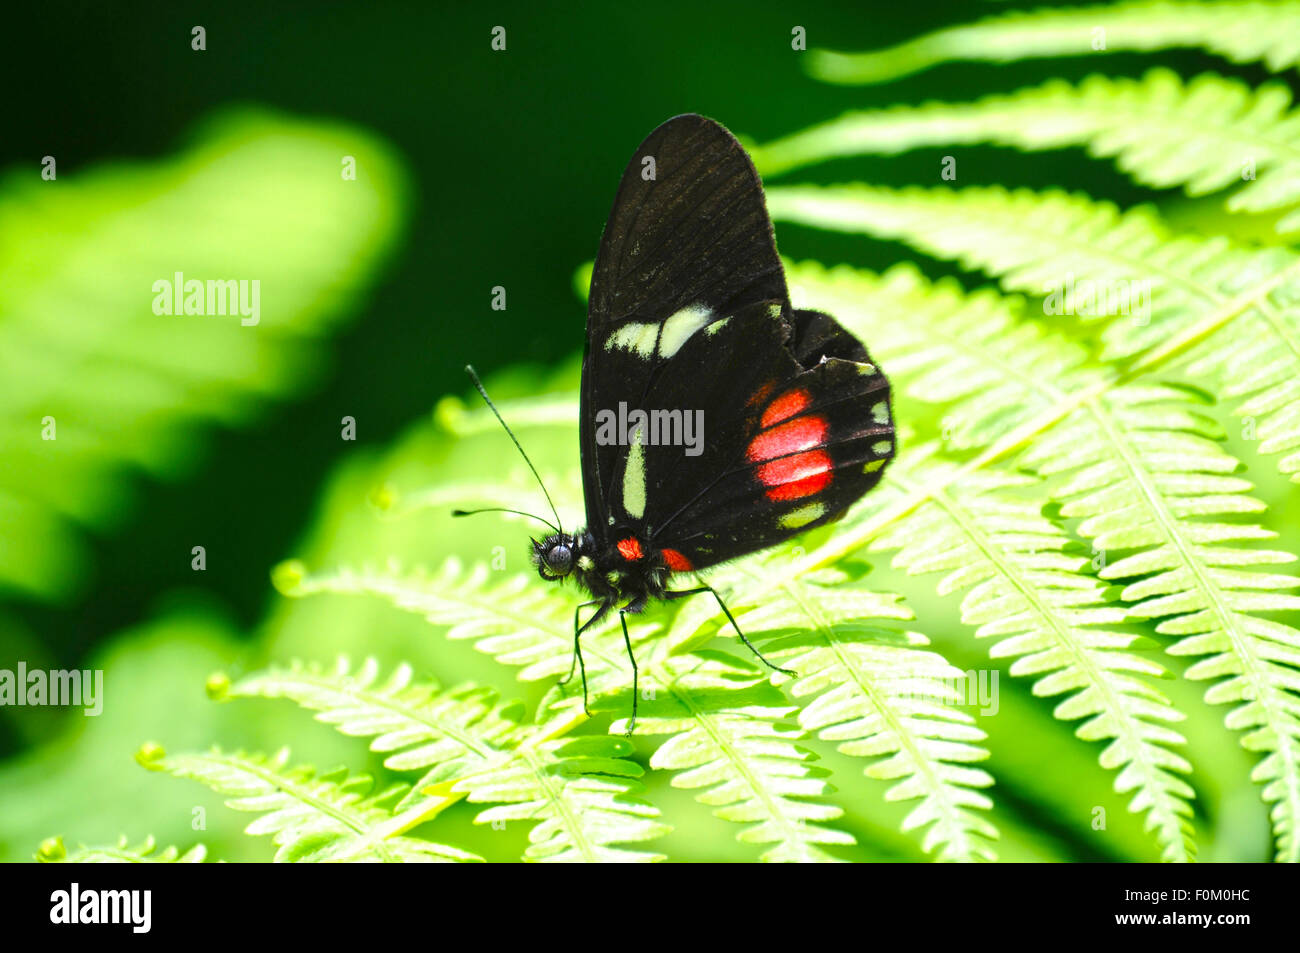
{"points": [[310, 816], [1023, 585], [418, 726], [1241, 32], [583, 794], [52, 851], [877, 694], [1233, 313], [1162, 131]]}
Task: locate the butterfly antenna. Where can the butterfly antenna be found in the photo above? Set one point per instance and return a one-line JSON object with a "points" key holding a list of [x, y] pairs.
{"points": [[502, 509], [469, 369]]}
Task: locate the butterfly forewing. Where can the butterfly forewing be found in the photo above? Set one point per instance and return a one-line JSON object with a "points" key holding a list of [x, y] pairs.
{"points": [[688, 242], [689, 314]]}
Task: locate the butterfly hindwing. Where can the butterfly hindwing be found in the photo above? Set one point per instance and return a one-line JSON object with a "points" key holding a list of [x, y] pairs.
{"points": [[687, 244], [796, 427]]}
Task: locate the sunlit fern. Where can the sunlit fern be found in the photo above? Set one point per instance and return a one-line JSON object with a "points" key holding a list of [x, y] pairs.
{"points": [[1205, 135], [53, 851], [330, 816], [581, 793], [1069, 478], [1241, 32], [1232, 312], [758, 770]]}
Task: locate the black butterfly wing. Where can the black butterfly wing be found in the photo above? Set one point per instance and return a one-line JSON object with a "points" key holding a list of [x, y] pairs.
{"points": [[797, 426], [688, 243]]}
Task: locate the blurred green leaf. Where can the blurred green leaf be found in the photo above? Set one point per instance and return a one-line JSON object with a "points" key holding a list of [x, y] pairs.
{"points": [[94, 384]]}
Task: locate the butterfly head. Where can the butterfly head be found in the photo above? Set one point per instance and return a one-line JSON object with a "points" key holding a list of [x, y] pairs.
{"points": [[555, 556]]}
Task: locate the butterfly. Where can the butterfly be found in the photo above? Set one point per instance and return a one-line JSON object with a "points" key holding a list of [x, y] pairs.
{"points": [[716, 420]]}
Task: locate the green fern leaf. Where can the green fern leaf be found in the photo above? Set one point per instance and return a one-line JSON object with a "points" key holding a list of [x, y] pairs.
{"points": [[1241, 32], [583, 794], [417, 726], [730, 738], [1231, 312], [94, 384], [542, 639], [1162, 131], [511, 619], [1149, 470], [311, 816], [977, 354], [522, 624], [1142, 471], [123, 852], [987, 535], [876, 693]]}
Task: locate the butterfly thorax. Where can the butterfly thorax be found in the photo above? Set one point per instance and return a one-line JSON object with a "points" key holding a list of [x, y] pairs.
{"points": [[624, 570]]}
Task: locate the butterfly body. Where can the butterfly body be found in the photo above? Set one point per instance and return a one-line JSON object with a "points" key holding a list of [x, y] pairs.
{"points": [[628, 571], [754, 421]]}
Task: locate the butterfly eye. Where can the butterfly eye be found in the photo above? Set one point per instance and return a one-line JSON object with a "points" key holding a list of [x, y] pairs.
{"points": [[559, 559]]}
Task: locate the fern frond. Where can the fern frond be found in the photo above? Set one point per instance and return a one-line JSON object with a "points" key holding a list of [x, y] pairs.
{"points": [[999, 370], [730, 737], [1159, 468], [418, 726], [1257, 363], [1212, 303], [877, 693], [52, 851], [1143, 472], [514, 621], [312, 817], [975, 353], [582, 792], [1162, 131], [673, 684], [1241, 32], [1023, 586]]}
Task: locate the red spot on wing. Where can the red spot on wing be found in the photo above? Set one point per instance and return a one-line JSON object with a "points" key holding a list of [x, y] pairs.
{"points": [[676, 561], [786, 406], [794, 477], [630, 549], [803, 433]]}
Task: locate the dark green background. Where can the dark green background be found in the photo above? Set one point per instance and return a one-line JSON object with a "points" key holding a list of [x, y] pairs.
{"points": [[515, 157]]}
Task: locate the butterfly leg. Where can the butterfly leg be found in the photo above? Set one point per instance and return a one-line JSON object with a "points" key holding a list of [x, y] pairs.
{"points": [[576, 652], [622, 618], [683, 593], [577, 644]]}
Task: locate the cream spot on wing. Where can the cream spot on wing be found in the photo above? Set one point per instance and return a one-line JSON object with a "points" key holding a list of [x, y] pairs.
{"points": [[680, 326], [634, 477], [635, 337], [880, 413], [641, 338], [802, 516], [882, 447], [716, 326]]}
